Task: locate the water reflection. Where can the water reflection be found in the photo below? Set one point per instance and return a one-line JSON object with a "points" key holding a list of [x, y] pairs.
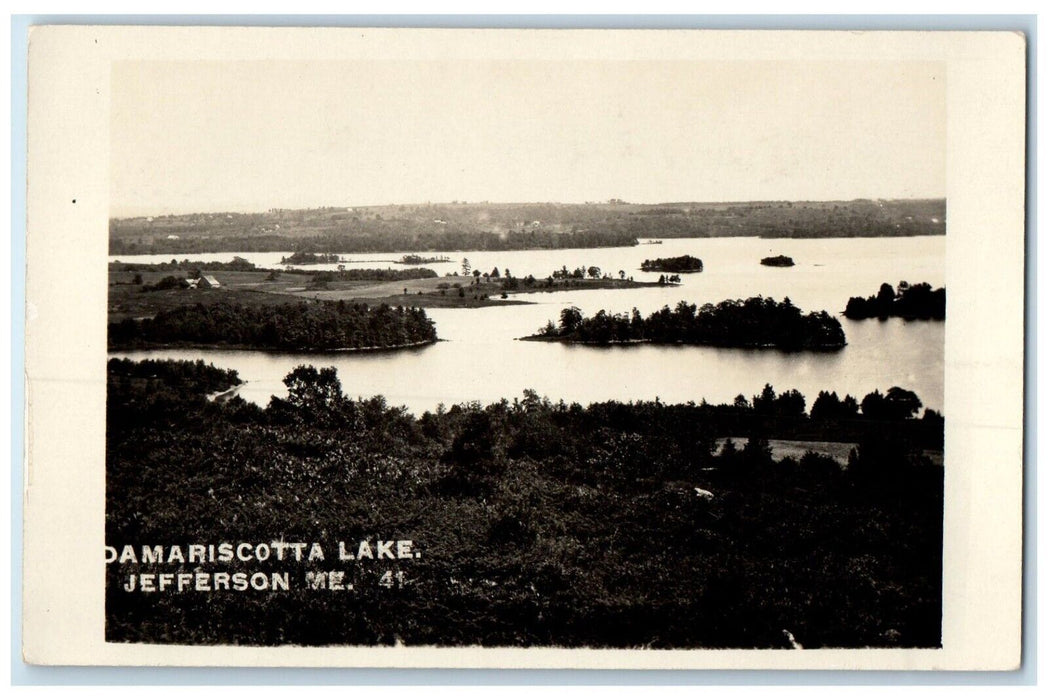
{"points": [[480, 360]]}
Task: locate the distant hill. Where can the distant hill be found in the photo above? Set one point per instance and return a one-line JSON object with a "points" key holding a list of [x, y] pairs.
{"points": [[486, 226]]}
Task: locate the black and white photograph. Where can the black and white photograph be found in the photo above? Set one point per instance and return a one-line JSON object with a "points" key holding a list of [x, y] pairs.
{"points": [[618, 349]]}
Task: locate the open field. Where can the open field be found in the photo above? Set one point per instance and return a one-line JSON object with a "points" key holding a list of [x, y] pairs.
{"points": [[796, 449], [127, 300]]}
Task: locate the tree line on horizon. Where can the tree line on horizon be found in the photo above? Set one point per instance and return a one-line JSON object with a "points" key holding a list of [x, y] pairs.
{"points": [[237, 264], [487, 226], [385, 242]]}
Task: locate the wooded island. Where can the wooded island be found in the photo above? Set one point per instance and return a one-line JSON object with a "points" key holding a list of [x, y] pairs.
{"points": [[756, 322]]}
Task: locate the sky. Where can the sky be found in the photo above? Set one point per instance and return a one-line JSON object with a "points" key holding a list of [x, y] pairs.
{"points": [[253, 135]]}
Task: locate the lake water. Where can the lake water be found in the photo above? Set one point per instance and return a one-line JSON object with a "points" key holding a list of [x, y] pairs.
{"points": [[481, 360]]}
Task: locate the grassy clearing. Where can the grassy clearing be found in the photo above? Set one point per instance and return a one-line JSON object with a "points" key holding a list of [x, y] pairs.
{"points": [[127, 300]]}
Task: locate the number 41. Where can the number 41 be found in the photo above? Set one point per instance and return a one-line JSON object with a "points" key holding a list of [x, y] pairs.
{"points": [[390, 579]]}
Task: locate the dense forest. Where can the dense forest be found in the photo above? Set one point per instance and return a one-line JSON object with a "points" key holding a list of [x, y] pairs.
{"points": [[308, 325], [777, 261], [536, 523], [757, 322], [911, 301], [487, 226], [683, 263], [193, 377]]}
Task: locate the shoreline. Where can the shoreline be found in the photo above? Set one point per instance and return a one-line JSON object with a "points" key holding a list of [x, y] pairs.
{"points": [[292, 241], [226, 394], [430, 296], [596, 284], [645, 341], [252, 348]]}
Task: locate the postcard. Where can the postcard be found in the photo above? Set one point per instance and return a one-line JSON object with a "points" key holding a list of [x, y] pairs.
{"points": [[524, 348]]}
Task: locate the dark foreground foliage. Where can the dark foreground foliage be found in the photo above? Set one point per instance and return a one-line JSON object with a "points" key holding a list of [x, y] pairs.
{"points": [[754, 323], [155, 377], [303, 326], [916, 301], [613, 525]]}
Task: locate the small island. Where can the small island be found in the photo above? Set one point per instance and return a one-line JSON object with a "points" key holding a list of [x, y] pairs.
{"points": [[911, 302], [302, 326], [683, 263], [778, 261], [757, 322], [421, 260], [301, 258]]}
